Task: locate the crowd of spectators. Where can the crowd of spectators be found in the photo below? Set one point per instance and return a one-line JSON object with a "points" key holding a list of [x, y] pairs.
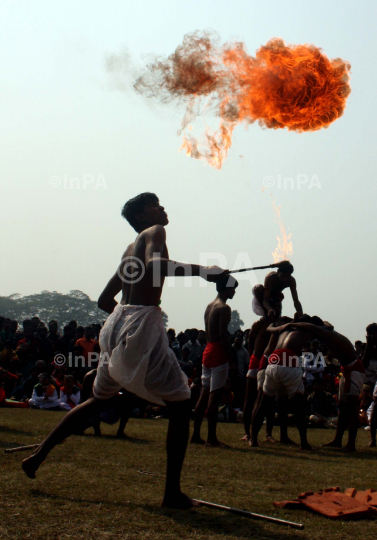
{"points": [[41, 367]]}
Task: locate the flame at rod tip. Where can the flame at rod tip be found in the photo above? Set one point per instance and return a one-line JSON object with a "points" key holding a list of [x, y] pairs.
{"points": [[284, 250]]}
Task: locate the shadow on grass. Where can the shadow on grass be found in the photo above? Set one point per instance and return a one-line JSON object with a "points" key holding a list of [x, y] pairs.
{"points": [[311, 455], [128, 439], [202, 519], [4, 429]]}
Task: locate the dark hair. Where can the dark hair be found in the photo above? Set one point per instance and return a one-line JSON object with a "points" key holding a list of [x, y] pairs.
{"points": [[53, 323], [371, 328], [317, 321], [358, 342], [136, 206], [226, 282], [285, 267]]}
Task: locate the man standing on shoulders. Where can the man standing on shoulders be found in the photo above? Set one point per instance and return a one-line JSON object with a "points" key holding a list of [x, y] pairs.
{"points": [[216, 358], [267, 297]]}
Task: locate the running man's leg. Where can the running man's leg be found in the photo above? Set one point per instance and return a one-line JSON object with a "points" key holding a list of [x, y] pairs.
{"points": [[176, 444], [73, 422]]}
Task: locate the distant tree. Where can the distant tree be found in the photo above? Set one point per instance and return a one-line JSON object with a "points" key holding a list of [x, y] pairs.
{"points": [[235, 321], [47, 305]]}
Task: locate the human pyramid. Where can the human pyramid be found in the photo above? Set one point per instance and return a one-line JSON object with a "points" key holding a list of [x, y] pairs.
{"points": [[135, 353]]}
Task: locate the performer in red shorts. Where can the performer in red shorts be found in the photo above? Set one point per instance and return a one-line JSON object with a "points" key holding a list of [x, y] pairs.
{"points": [[215, 360], [258, 341]]}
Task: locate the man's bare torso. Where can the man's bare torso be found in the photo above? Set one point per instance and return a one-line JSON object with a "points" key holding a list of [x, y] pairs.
{"points": [[212, 319], [262, 338], [295, 340], [136, 291]]}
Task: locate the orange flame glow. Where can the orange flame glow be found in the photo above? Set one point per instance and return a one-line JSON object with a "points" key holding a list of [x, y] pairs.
{"points": [[284, 250], [284, 86]]}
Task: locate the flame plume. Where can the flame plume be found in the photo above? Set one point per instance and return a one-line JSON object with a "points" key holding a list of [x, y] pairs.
{"points": [[284, 86], [284, 250]]}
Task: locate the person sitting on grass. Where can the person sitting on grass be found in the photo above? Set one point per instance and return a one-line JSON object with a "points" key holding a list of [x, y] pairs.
{"points": [[69, 394], [323, 409], [44, 394]]}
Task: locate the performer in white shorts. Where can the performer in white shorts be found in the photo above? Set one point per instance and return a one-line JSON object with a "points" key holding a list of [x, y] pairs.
{"points": [[353, 374], [215, 361], [134, 346]]}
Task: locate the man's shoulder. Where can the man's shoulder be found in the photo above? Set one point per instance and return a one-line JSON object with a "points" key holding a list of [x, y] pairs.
{"points": [[156, 231]]}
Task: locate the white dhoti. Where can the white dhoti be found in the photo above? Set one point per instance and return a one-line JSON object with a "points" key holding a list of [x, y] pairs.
{"points": [[281, 380], [215, 377], [257, 307], [135, 355]]}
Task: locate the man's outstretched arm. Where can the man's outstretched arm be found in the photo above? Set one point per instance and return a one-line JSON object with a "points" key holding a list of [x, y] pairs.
{"points": [[154, 262], [296, 301]]}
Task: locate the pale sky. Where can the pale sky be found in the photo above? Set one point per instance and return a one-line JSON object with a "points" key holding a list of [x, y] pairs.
{"points": [[62, 117]]}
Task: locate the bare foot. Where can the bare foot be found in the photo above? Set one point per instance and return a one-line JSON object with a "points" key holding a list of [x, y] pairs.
{"points": [[347, 449], [306, 446], [270, 439], [371, 444], [333, 444], [216, 444], [197, 440], [179, 500], [30, 465], [288, 441], [245, 438], [253, 444]]}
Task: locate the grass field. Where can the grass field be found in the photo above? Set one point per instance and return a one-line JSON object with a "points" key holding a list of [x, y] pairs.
{"points": [[105, 488]]}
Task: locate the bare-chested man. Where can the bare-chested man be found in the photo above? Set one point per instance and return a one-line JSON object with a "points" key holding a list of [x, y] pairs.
{"points": [[284, 375], [216, 358], [258, 341], [266, 408], [351, 382], [268, 297], [135, 352]]}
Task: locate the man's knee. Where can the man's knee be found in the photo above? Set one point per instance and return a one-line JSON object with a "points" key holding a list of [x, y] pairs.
{"points": [[179, 408]]}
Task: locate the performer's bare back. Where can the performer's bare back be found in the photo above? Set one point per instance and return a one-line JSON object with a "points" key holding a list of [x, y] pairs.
{"points": [[216, 316]]}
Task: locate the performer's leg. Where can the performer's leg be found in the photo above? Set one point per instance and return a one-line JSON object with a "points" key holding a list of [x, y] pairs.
{"points": [[341, 427], [200, 410], [373, 427], [270, 420], [97, 426], [73, 422], [250, 399], [176, 444], [212, 412], [283, 420], [299, 404], [258, 416], [353, 422], [125, 402]]}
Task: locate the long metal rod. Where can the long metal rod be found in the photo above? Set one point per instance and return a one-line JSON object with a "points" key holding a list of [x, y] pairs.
{"points": [[250, 514], [21, 448], [254, 268]]}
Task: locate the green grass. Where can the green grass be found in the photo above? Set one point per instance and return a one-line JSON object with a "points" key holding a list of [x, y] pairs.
{"points": [[104, 488]]}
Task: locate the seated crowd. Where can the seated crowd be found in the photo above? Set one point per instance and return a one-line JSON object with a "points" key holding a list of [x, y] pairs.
{"points": [[42, 368]]}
